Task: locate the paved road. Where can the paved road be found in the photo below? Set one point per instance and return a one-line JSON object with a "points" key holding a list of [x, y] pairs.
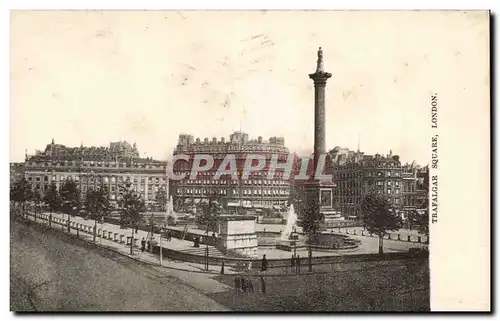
{"points": [[50, 274]]}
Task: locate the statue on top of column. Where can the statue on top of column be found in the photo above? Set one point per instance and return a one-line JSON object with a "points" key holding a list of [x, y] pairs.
{"points": [[319, 67]]}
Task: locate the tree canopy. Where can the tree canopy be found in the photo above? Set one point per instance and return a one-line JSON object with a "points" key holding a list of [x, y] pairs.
{"points": [[310, 216], [21, 191], [162, 199], [52, 198], [378, 215], [97, 204], [132, 206], [209, 214], [70, 196]]}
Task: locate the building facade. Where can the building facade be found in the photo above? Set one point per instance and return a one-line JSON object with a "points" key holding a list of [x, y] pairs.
{"points": [[254, 192], [95, 167], [356, 174], [415, 187]]}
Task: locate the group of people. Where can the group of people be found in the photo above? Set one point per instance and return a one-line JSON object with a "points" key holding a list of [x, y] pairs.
{"points": [[168, 235], [242, 284], [295, 263]]}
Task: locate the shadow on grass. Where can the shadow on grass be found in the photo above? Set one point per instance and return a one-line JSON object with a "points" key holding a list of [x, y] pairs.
{"points": [[382, 288]]}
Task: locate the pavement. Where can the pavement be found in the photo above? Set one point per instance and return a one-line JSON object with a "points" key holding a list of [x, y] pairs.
{"points": [[368, 245], [124, 249]]}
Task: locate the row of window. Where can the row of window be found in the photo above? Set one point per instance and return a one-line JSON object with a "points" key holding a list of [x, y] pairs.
{"points": [[96, 164], [357, 200], [235, 182], [277, 174], [106, 179], [245, 192], [359, 174]]}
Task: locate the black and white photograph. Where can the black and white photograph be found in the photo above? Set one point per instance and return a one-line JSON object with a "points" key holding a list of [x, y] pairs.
{"points": [[248, 161]]}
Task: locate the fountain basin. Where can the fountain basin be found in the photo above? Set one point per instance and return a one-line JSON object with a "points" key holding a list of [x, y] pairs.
{"points": [[322, 242]]}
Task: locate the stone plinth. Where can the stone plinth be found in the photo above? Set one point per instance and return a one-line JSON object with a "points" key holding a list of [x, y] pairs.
{"points": [[237, 235]]}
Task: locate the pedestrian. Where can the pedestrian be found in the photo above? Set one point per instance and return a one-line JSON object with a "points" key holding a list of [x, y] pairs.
{"points": [[250, 286], [262, 285], [237, 284], [143, 245], [264, 263], [293, 263], [297, 262], [222, 268], [243, 284]]}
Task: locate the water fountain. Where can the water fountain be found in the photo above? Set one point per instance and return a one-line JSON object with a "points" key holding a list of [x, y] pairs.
{"points": [[324, 241], [170, 211], [291, 220]]}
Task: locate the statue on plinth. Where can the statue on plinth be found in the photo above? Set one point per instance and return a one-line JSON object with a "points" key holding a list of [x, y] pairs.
{"points": [[319, 67]]}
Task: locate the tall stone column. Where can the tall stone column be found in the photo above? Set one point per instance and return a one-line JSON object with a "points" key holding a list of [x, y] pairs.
{"points": [[320, 78]]}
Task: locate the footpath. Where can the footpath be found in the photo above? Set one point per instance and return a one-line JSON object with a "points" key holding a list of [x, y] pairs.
{"points": [[113, 238]]}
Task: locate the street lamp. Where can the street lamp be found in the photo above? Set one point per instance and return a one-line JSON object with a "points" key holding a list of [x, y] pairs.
{"points": [[161, 248]]}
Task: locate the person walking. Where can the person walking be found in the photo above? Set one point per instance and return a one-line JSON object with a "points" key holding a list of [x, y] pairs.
{"points": [[243, 284], [222, 268], [143, 245], [264, 263], [237, 283], [250, 285], [262, 285]]}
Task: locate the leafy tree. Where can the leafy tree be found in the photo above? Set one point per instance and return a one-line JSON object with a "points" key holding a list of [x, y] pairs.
{"points": [[423, 219], [132, 206], [38, 201], [52, 198], [311, 215], [97, 206], [70, 196], [310, 218], [21, 192], [208, 215], [413, 219], [162, 199], [379, 217]]}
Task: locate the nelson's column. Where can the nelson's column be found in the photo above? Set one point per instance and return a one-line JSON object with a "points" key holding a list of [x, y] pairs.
{"points": [[320, 191]]}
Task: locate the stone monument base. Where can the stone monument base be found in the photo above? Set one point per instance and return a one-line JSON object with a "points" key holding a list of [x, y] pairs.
{"points": [[237, 235]]}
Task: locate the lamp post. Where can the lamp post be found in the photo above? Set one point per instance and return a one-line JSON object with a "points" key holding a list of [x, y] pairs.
{"points": [[161, 248], [132, 241]]}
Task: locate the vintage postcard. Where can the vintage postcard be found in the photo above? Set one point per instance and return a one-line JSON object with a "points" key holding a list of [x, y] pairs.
{"points": [[300, 161]]}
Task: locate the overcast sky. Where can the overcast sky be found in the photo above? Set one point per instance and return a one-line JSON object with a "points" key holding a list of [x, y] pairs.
{"points": [[145, 77]]}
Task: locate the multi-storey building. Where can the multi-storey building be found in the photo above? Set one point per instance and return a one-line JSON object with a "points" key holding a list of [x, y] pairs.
{"points": [[356, 174], [95, 167], [256, 191]]}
